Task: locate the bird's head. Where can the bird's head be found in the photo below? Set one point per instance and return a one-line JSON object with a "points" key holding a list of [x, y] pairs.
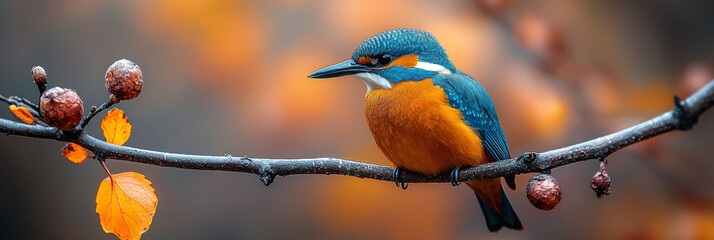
{"points": [[391, 57]]}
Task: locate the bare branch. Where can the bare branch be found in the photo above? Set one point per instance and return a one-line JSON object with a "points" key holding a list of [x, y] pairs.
{"points": [[27, 102], [682, 117]]}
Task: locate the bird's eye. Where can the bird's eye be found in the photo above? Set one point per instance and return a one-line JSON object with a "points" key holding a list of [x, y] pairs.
{"points": [[384, 59]]}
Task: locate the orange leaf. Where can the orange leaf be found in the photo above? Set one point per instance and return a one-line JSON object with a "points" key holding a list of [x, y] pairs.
{"points": [[23, 114], [74, 153], [126, 204], [116, 127]]}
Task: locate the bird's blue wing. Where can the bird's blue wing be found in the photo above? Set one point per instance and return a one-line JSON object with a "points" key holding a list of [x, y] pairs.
{"points": [[468, 96]]}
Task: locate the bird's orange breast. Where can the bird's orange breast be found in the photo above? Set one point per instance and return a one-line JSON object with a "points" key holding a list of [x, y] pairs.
{"points": [[417, 129]]}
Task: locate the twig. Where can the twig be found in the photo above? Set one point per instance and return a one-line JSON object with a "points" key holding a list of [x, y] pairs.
{"points": [[268, 169], [93, 113], [4, 99], [21, 102], [26, 102]]}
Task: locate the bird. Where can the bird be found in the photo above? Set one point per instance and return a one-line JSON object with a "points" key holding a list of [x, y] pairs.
{"points": [[427, 116]]}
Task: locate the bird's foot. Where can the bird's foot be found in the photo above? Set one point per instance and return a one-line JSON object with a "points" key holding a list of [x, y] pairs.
{"points": [[455, 177], [395, 175]]}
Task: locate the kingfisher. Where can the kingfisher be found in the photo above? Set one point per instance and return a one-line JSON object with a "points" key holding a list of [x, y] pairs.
{"points": [[428, 117]]}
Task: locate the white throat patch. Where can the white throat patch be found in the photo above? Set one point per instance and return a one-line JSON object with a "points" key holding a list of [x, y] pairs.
{"points": [[433, 67], [373, 81]]}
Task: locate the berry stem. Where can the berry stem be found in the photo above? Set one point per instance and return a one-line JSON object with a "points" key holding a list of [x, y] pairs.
{"points": [[42, 88], [92, 113]]}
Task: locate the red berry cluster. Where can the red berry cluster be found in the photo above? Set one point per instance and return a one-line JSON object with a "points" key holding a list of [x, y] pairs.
{"points": [[62, 108]]}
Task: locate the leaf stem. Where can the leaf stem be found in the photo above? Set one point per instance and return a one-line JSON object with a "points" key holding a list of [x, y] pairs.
{"points": [[101, 162]]}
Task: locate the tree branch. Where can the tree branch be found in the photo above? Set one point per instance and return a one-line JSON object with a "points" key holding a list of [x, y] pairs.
{"points": [[683, 117]]}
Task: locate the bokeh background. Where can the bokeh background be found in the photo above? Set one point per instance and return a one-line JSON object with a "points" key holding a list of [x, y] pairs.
{"points": [[230, 77]]}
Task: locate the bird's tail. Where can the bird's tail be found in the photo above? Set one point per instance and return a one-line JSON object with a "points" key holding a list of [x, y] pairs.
{"points": [[496, 219]]}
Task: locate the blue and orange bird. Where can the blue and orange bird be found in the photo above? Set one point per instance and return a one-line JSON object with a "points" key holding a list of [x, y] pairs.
{"points": [[426, 116]]}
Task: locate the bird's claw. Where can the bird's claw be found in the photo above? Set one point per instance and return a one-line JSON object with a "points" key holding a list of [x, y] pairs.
{"points": [[395, 176], [455, 177]]}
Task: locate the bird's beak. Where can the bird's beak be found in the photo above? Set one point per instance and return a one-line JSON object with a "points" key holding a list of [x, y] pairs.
{"points": [[348, 67]]}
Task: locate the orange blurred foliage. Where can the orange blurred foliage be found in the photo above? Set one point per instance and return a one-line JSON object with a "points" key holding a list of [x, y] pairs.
{"points": [[357, 20], [228, 36], [494, 7], [116, 127], [601, 93], [542, 107], [693, 223], [695, 76], [126, 204], [464, 38], [364, 208], [293, 101], [351, 205], [653, 97]]}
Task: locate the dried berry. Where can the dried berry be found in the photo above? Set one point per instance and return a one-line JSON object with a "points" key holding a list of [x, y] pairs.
{"points": [[61, 108], [601, 182], [124, 79], [543, 191], [40, 77]]}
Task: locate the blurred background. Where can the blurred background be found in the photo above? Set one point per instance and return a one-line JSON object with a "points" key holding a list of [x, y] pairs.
{"points": [[230, 77]]}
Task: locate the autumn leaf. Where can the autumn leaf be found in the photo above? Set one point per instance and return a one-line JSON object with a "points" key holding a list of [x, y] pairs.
{"points": [[23, 114], [116, 127], [126, 204], [74, 153]]}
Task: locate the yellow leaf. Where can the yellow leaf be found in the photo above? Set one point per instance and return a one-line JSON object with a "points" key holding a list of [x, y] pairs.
{"points": [[126, 204], [74, 153], [23, 114], [116, 127]]}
